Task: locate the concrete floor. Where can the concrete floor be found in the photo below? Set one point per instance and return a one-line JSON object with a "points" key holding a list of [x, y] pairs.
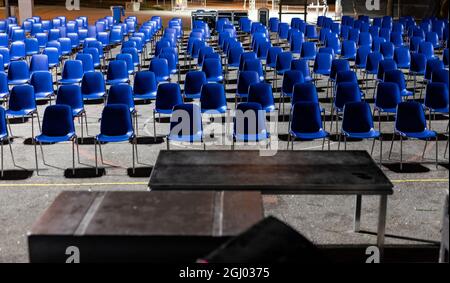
{"points": [[414, 210]]}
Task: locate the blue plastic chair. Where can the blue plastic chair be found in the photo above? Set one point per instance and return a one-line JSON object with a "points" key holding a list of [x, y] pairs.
{"points": [[322, 64], [17, 51], [305, 123], [361, 57], [290, 79], [57, 126], [337, 65], [245, 57], [18, 73], [117, 72], [4, 89], [348, 50], [186, 131], [116, 126], [128, 58], [245, 79], [22, 104], [136, 59], [305, 92], [193, 84], [167, 96], [4, 52], [160, 67], [42, 81], [427, 49], [272, 55], [4, 136], [72, 72], [387, 49], [402, 57], [308, 51], [311, 32], [386, 100], [397, 76], [145, 86], [345, 92], [440, 76], [71, 95], [31, 46], [357, 122], [93, 86], [410, 122], [262, 93], [87, 61], [39, 62], [213, 70], [303, 66], [254, 65], [213, 99], [436, 100], [250, 124]]}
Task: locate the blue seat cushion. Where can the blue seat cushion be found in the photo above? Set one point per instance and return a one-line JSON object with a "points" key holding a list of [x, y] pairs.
{"points": [[19, 113], [221, 109], [117, 81], [104, 138], [372, 134], [44, 94], [310, 136], [70, 81], [148, 95], [94, 95], [50, 139], [18, 82], [426, 134]]}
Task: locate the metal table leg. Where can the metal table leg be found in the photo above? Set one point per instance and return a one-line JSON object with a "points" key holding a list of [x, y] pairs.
{"points": [[382, 224], [357, 221]]}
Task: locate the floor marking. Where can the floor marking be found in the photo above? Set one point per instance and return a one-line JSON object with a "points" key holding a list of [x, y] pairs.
{"points": [[443, 180]]}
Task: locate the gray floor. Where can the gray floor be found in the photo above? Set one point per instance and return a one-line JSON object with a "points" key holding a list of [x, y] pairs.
{"points": [[414, 211]]}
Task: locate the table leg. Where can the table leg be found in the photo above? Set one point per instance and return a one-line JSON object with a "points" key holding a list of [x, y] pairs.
{"points": [[382, 224], [357, 221]]}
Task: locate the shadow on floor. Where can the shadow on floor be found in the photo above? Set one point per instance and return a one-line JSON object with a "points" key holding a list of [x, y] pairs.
{"points": [[14, 175], [140, 172], [407, 168], [84, 173]]}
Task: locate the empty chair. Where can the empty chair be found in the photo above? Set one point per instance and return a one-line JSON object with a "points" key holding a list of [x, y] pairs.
{"points": [[128, 58], [397, 76], [436, 100], [386, 100], [31, 46], [387, 49], [305, 92], [117, 72], [254, 65], [17, 51], [193, 84], [440, 76], [418, 65], [4, 89], [308, 51], [39, 62], [160, 67], [305, 123], [213, 99], [87, 61], [145, 86], [18, 73], [93, 86], [290, 79], [213, 70], [57, 126], [167, 96], [402, 57], [322, 64], [71, 95], [72, 72], [22, 104], [245, 79], [410, 123], [361, 57], [345, 92], [262, 93], [116, 126], [302, 66], [185, 131], [250, 124], [348, 50], [42, 81], [427, 49], [357, 122], [4, 136]]}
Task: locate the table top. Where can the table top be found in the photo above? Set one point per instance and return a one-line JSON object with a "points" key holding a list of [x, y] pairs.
{"points": [[287, 172], [150, 214]]}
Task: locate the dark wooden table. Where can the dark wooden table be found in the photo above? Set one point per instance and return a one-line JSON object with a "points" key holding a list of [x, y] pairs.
{"points": [[141, 226], [287, 172]]}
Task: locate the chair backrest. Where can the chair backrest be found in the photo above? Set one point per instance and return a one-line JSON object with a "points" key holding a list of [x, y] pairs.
{"points": [[338, 65], [92, 82], [39, 62], [345, 93], [357, 117], [180, 127], [290, 79], [254, 65], [262, 93], [396, 76], [346, 76], [410, 117], [42, 81], [128, 58], [212, 67], [117, 69], [70, 95], [144, 83], [167, 96], [73, 69], [436, 96], [22, 97], [245, 57], [385, 66], [121, 94], [159, 66], [245, 79], [18, 70], [305, 92], [402, 56], [58, 121], [194, 82], [213, 98], [306, 117], [433, 65], [87, 61], [440, 76], [3, 127], [4, 89], [323, 61], [116, 120], [249, 122], [283, 61], [17, 49]]}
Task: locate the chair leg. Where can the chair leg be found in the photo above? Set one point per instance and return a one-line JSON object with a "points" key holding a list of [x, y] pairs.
{"points": [[96, 161], [373, 146], [12, 154], [42, 153], [1, 157], [401, 153], [86, 124], [168, 143], [101, 152], [39, 122], [132, 153], [36, 156], [437, 152], [323, 143], [345, 143], [154, 126], [392, 145], [424, 149], [381, 150], [78, 151], [339, 141], [73, 156], [82, 130]]}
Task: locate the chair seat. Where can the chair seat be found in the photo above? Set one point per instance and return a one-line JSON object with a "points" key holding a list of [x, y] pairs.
{"points": [[104, 138], [70, 81], [117, 81], [3, 136], [148, 95], [403, 66], [215, 79], [288, 94], [164, 111], [366, 135], [43, 94], [386, 110], [251, 137], [94, 95], [198, 137], [268, 108], [4, 95], [309, 58], [18, 82], [221, 110], [310, 136], [441, 110], [16, 58], [192, 95], [52, 65], [77, 112], [19, 113], [162, 78], [51, 139], [426, 134], [308, 79], [322, 72], [281, 72], [30, 53]]}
